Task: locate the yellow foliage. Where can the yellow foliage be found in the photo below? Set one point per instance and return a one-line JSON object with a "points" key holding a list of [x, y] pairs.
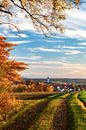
{"points": [[5, 3], [45, 14], [24, 2], [77, 2], [7, 104]]}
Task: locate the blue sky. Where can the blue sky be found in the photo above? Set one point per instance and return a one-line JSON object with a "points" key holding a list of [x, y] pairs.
{"points": [[59, 56]]}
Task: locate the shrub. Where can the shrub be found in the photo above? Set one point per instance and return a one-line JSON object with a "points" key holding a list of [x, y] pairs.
{"points": [[8, 103]]}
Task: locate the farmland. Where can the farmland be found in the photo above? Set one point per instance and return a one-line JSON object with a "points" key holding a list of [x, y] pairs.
{"points": [[48, 111]]}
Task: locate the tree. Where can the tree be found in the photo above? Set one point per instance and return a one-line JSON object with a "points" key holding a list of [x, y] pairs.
{"points": [[8, 68], [50, 88], [8, 76], [46, 15]]}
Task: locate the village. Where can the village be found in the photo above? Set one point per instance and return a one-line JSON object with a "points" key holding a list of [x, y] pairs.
{"points": [[46, 86]]}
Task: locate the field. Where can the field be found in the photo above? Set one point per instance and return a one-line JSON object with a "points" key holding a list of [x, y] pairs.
{"points": [[48, 111], [82, 97]]}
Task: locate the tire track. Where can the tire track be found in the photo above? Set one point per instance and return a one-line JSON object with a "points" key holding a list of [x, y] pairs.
{"points": [[60, 121], [50, 117]]}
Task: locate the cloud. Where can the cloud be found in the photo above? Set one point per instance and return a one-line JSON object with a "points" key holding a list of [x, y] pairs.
{"points": [[69, 47], [22, 35], [50, 68], [83, 43], [48, 63], [34, 57], [42, 66], [75, 33], [59, 63], [75, 23], [26, 24], [42, 49], [72, 52], [20, 42], [77, 14]]}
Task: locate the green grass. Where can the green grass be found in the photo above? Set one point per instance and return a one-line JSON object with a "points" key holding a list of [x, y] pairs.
{"points": [[77, 116], [45, 118], [82, 96]]}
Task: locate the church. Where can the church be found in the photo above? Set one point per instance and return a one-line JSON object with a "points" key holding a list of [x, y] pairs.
{"points": [[48, 80]]}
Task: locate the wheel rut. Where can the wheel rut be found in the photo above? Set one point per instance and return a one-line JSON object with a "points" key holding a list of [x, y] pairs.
{"points": [[60, 121], [54, 116]]}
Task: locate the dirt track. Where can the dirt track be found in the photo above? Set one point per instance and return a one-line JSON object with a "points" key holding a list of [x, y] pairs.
{"points": [[60, 121]]}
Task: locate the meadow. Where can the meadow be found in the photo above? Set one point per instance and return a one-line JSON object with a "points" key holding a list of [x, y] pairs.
{"points": [[47, 111]]}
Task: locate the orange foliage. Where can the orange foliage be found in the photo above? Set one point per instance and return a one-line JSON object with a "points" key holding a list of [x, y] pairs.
{"points": [[50, 88], [8, 75], [8, 104], [8, 68]]}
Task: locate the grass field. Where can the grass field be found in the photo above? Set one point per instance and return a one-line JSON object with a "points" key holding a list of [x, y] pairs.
{"points": [[77, 113], [82, 96], [48, 111]]}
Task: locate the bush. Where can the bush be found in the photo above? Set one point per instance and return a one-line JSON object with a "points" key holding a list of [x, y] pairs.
{"points": [[7, 104], [20, 88]]}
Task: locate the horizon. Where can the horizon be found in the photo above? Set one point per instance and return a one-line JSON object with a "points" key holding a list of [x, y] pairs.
{"points": [[56, 78]]}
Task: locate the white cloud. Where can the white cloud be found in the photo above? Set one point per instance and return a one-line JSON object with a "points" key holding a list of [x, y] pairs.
{"points": [[47, 63], [22, 35], [43, 49], [42, 66], [83, 43], [26, 25], [34, 57], [75, 23], [20, 42], [75, 33], [9, 35], [50, 68], [77, 14], [72, 52], [68, 47], [72, 47]]}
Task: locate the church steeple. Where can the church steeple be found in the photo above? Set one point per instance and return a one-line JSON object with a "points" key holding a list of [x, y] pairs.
{"points": [[48, 80]]}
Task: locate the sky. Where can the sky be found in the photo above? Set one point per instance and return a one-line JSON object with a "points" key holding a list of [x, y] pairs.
{"points": [[59, 56]]}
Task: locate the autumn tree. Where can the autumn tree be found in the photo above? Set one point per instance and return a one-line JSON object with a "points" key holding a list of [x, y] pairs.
{"points": [[46, 15], [8, 76], [8, 68]]}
